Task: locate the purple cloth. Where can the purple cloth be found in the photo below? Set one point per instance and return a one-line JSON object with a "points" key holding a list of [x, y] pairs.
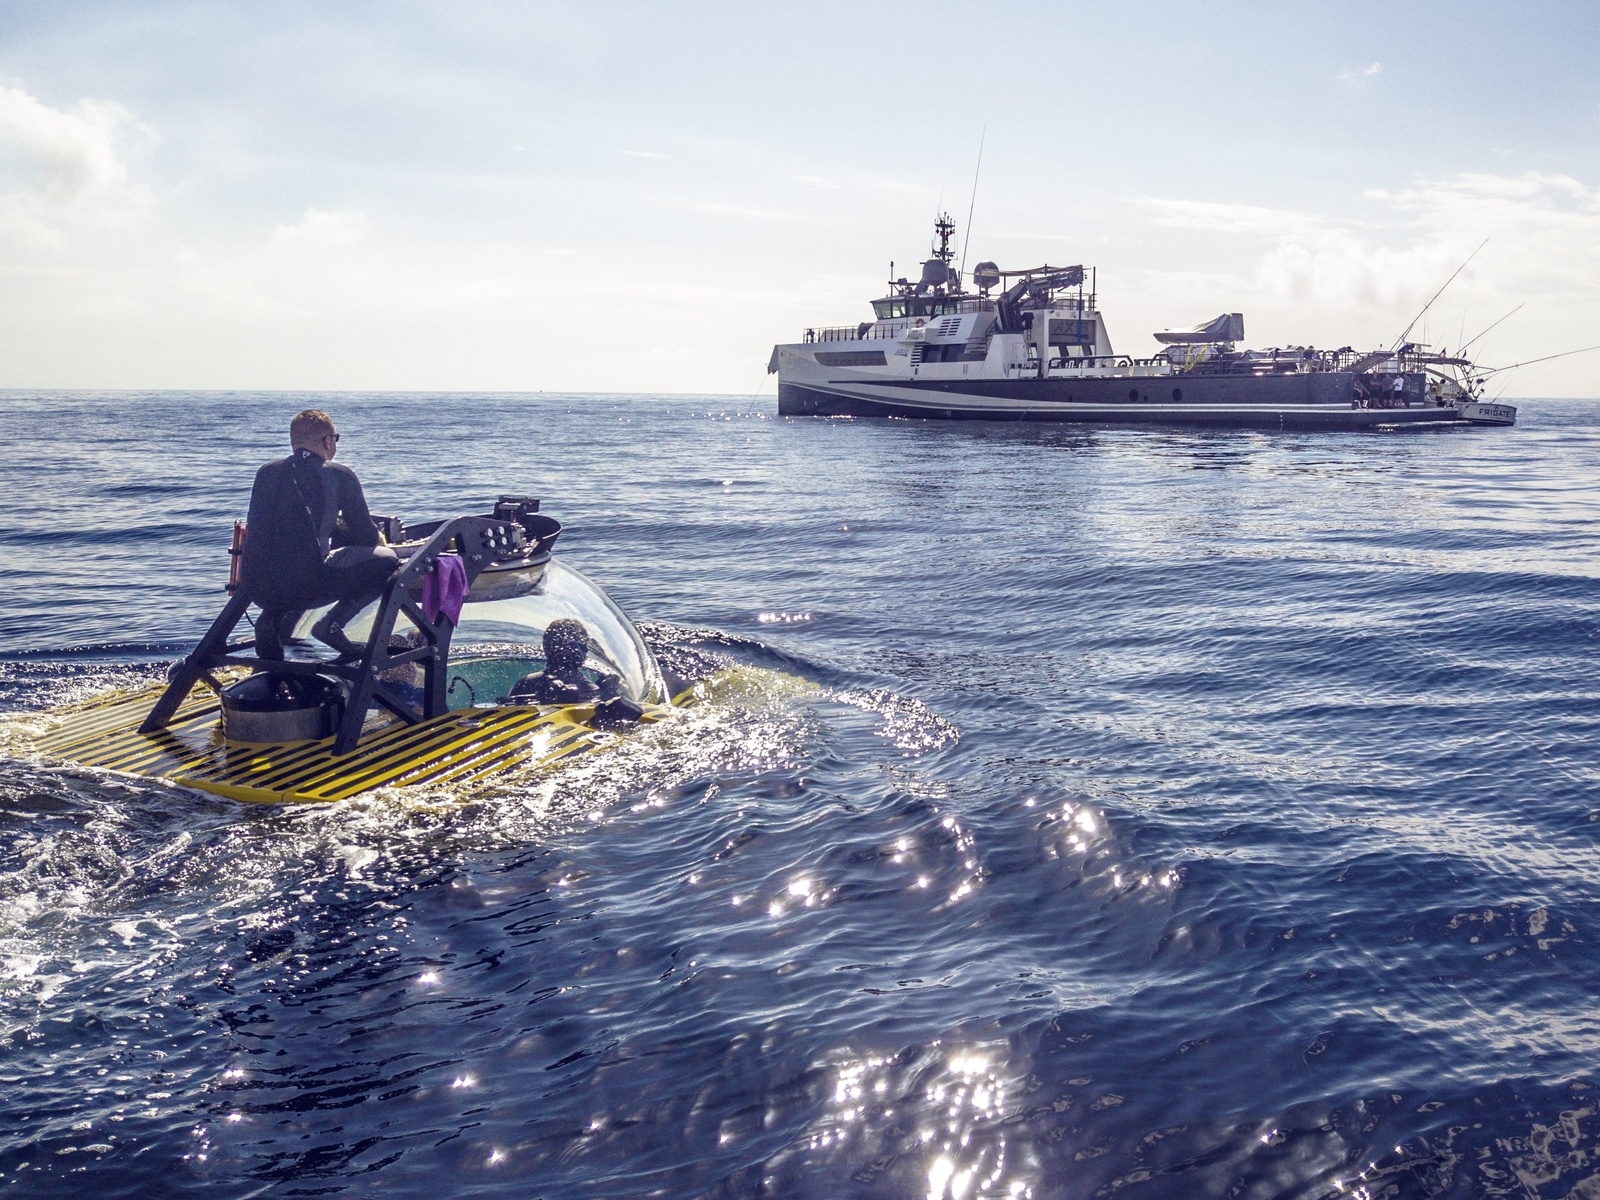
{"points": [[444, 589]]}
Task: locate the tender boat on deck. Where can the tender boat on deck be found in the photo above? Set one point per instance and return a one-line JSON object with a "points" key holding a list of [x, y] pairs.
{"points": [[431, 701], [1039, 350]]}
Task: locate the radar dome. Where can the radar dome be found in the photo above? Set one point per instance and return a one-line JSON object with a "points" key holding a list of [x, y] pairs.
{"points": [[935, 273], [986, 275]]}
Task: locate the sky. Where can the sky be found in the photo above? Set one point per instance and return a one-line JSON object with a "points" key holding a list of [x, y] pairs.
{"points": [[619, 197]]}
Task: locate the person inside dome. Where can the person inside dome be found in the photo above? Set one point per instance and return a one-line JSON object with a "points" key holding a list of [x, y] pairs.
{"points": [[563, 681]]}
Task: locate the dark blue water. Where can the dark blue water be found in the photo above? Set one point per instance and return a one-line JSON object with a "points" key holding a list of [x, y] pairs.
{"points": [[1086, 813]]}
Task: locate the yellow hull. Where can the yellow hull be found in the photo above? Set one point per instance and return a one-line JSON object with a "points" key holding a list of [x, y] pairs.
{"points": [[465, 744]]}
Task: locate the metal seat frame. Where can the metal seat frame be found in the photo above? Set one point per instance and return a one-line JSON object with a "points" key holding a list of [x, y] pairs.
{"points": [[480, 542]]}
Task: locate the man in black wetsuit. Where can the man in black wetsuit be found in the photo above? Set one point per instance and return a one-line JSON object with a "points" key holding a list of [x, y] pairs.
{"points": [[301, 508], [566, 647]]}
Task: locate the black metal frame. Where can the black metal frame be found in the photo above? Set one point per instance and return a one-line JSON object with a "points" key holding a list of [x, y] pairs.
{"points": [[480, 541]]}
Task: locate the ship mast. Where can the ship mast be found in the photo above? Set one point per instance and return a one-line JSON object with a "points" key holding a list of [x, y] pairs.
{"points": [[944, 227], [943, 252]]}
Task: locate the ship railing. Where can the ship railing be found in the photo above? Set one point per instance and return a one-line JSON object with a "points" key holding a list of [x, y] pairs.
{"points": [[880, 331], [1101, 362], [1108, 362], [834, 333]]}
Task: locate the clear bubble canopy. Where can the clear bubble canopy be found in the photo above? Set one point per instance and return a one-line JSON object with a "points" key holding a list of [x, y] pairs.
{"points": [[499, 638]]}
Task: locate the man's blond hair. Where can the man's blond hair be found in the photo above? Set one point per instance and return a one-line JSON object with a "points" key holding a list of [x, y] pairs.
{"points": [[308, 428]]}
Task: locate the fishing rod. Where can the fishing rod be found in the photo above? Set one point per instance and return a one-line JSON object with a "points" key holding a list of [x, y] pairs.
{"points": [[1528, 362], [1436, 295], [1462, 350], [966, 235]]}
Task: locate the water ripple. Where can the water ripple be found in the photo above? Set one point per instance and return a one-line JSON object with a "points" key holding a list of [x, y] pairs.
{"points": [[1061, 812]]}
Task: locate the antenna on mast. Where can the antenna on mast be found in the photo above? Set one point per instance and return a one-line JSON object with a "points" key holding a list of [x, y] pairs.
{"points": [[1436, 295], [966, 235]]}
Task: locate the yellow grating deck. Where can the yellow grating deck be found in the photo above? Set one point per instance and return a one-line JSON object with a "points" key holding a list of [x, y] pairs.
{"points": [[458, 746]]}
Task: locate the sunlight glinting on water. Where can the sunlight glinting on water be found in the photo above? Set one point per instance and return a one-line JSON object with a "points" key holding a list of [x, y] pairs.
{"points": [[1222, 823], [946, 1108]]}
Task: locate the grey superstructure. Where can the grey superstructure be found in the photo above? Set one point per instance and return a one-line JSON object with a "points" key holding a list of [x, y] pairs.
{"points": [[1033, 345]]}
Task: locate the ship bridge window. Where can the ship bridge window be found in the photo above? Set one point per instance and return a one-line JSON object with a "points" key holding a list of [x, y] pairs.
{"points": [[915, 306]]}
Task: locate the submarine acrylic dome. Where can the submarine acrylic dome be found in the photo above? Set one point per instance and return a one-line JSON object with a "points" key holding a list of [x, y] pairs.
{"points": [[499, 636]]}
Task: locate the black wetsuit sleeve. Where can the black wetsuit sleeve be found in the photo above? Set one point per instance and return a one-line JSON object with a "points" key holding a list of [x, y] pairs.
{"points": [[359, 529]]}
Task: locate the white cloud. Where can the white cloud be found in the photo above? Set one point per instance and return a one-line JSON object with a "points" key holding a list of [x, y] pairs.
{"points": [[1232, 218], [645, 154], [1544, 230], [1311, 259], [76, 151], [321, 228], [1358, 75], [59, 167], [1315, 275], [316, 265], [739, 210]]}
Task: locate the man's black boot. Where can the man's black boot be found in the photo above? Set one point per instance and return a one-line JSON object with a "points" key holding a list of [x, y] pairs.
{"points": [[330, 630], [286, 624], [269, 647]]}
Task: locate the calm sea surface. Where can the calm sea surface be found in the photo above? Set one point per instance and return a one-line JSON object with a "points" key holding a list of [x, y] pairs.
{"points": [[1086, 813]]}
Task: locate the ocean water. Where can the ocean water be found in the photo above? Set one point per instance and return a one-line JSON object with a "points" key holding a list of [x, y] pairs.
{"points": [[1083, 813]]}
